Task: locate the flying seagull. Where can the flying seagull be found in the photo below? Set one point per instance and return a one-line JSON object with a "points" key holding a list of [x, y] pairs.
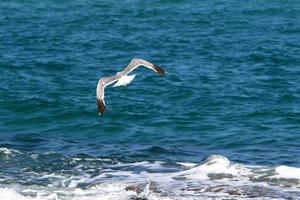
{"points": [[123, 79]]}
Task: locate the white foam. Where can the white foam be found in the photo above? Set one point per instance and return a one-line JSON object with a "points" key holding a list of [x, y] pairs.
{"points": [[92, 159], [215, 164], [287, 172], [188, 165], [215, 178], [9, 194], [9, 151]]}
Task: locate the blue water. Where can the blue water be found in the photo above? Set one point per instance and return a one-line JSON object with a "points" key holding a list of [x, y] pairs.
{"points": [[232, 86]]}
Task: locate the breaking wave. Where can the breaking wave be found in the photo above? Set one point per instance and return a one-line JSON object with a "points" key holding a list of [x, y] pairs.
{"points": [[61, 177]]}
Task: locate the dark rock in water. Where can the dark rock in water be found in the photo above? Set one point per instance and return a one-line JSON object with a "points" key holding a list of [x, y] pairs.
{"points": [[234, 193], [287, 182], [130, 188], [214, 176], [136, 189], [140, 188], [198, 189], [139, 198]]}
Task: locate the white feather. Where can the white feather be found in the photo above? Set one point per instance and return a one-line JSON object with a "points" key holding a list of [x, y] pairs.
{"points": [[124, 80]]}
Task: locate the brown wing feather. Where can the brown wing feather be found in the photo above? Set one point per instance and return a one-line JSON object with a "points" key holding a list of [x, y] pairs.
{"points": [[159, 70], [101, 106]]}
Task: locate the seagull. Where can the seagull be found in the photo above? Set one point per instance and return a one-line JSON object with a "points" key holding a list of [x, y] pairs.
{"points": [[122, 79]]}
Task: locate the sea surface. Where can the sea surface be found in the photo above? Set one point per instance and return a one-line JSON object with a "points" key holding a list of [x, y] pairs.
{"points": [[224, 123]]}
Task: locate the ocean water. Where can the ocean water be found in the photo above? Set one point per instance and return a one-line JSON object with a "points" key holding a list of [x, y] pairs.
{"points": [[224, 123]]}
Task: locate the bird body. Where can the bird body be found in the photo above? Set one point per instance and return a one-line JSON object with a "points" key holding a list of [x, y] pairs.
{"points": [[122, 78]]}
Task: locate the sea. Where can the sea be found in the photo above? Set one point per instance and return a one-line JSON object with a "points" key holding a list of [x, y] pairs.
{"points": [[223, 123]]}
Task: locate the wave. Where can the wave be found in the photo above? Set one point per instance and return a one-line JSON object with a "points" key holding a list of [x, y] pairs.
{"points": [[6, 153], [85, 178]]}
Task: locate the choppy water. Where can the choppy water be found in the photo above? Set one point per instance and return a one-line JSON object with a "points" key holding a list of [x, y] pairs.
{"points": [[223, 123]]}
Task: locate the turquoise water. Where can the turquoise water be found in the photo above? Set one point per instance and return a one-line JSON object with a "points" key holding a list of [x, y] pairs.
{"points": [[232, 88]]}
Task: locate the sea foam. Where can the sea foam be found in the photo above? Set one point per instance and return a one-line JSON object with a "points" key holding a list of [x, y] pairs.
{"points": [[216, 177]]}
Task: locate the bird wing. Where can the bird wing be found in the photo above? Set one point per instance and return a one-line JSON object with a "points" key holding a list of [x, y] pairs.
{"points": [[135, 63], [102, 83]]}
